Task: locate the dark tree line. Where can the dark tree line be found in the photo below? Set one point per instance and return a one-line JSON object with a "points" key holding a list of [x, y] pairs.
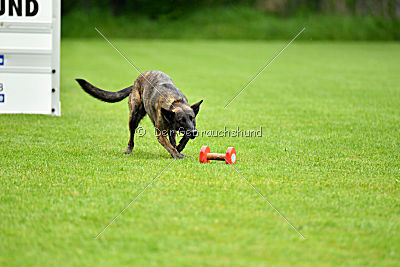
{"points": [[178, 8]]}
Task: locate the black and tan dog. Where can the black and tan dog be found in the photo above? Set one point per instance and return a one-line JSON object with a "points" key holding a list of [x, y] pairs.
{"points": [[155, 94]]}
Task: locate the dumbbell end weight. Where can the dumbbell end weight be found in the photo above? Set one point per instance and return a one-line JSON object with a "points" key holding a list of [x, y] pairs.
{"points": [[203, 154], [230, 156]]}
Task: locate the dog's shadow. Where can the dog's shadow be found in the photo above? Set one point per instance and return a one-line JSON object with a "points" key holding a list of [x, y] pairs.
{"points": [[145, 154]]}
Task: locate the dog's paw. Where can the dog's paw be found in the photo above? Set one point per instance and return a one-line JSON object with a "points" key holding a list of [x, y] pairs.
{"points": [[178, 156], [129, 150]]}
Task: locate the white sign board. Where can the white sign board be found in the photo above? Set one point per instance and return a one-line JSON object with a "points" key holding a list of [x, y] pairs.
{"points": [[30, 56]]}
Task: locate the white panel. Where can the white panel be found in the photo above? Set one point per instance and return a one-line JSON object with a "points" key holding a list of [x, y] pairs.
{"points": [[27, 60], [25, 93], [25, 41], [44, 13], [30, 57], [56, 105]]}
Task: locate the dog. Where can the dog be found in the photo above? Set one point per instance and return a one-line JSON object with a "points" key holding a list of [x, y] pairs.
{"points": [[155, 94]]}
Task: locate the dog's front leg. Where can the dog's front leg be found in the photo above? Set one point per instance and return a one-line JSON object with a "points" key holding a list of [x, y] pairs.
{"points": [[162, 139], [172, 137], [182, 143]]}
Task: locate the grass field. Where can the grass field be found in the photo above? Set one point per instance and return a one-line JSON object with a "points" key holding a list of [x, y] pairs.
{"points": [[328, 159]]}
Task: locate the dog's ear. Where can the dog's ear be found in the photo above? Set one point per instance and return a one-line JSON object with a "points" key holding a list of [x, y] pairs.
{"points": [[168, 115], [196, 107]]}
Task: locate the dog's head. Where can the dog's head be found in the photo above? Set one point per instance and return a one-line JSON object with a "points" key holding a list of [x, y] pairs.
{"points": [[183, 119]]}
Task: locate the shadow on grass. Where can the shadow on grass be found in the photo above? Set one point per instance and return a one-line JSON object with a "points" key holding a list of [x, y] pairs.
{"points": [[145, 154]]}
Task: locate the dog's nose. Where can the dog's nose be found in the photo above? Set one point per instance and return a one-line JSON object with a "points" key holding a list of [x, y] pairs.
{"points": [[193, 134]]}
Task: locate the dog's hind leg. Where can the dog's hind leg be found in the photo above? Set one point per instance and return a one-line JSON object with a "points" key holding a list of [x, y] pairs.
{"points": [[134, 120], [137, 112]]}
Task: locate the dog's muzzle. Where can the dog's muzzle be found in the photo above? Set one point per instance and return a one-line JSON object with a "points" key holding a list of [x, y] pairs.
{"points": [[193, 134]]}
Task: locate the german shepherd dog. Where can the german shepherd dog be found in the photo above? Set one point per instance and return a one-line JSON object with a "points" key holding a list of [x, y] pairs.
{"points": [[155, 94]]}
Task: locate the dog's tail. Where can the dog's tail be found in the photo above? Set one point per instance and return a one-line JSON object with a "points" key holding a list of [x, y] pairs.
{"points": [[105, 96]]}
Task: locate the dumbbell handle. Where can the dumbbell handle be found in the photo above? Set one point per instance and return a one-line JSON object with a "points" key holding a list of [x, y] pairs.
{"points": [[215, 156]]}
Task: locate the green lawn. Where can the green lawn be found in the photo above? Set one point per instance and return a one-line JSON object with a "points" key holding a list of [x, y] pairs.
{"points": [[328, 159]]}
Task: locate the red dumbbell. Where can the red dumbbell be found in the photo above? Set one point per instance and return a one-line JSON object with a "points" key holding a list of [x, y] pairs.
{"points": [[206, 155]]}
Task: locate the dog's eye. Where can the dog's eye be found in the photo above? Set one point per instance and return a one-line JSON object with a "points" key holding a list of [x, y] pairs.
{"points": [[191, 118]]}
